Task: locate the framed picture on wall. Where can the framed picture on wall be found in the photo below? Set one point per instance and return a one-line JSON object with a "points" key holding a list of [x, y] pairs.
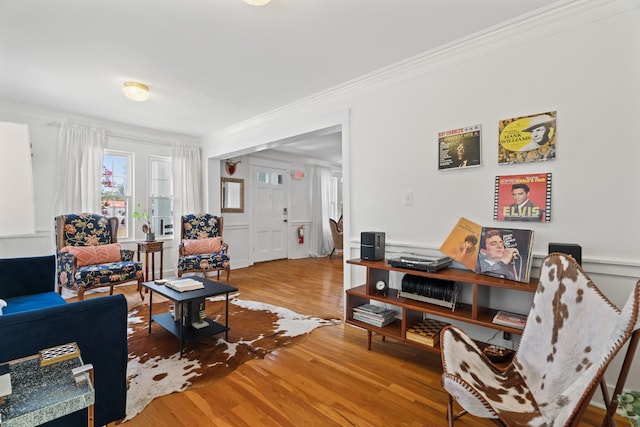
{"points": [[527, 139], [524, 197], [459, 148]]}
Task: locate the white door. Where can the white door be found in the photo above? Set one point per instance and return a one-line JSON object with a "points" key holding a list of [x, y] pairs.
{"points": [[270, 214]]}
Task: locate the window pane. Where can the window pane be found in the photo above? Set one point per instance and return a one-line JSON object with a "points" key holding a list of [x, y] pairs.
{"points": [[119, 185], [161, 197], [162, 216], [115, 197], [118, 207], [160, 178]]}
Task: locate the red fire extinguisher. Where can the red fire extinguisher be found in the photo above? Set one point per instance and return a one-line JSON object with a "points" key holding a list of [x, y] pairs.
{"points": [[301, 234]]}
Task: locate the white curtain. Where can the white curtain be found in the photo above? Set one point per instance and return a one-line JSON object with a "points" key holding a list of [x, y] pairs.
{"points": [[320, 240], [186, 171], [79, 163]]}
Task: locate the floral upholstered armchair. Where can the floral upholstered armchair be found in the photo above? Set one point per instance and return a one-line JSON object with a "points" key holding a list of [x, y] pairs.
{"points": [[89, 255], [201, 248]]}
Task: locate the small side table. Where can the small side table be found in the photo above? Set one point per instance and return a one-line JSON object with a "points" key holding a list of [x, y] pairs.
{"points": [[44, 393], [150, 248]]}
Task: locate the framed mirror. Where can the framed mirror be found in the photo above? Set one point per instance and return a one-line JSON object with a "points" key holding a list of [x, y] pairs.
{"points": [[232, 195]]}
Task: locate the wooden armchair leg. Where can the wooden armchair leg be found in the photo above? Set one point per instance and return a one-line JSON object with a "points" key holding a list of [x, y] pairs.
{"points": [[140, 289], [450, 412], [612, 403], [451, 416]]}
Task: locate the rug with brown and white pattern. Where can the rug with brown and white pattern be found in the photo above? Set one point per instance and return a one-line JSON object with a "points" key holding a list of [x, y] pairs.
{"points": [[155, 367]]}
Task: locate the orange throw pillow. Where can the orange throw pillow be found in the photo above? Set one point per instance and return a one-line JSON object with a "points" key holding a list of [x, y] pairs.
{"points": [[91, 255], [210, 245]]}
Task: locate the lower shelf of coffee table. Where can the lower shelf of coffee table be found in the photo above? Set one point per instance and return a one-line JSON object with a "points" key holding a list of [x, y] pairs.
{"points": [[189, 333]]}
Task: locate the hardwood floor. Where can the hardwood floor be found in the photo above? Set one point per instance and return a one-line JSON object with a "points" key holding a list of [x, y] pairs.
{"points": [[329, 380]]}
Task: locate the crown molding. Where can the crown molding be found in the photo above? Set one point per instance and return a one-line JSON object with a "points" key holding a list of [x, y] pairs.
{"points": [[117, 130], [556, 18]]}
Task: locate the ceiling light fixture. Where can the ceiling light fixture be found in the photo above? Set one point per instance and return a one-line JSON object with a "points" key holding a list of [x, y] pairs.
{"points": [[257, 2], [136, 91]]}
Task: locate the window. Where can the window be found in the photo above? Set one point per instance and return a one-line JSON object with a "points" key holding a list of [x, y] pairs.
{"points": [[160, 196], [270, 178], [115, 189]]}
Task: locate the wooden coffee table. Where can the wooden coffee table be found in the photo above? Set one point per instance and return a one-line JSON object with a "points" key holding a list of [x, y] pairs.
{"points": [[181, 327]]}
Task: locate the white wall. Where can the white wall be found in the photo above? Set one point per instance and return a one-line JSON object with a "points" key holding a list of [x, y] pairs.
{"points": [[236, 225], [580, 60], [43, 132]]}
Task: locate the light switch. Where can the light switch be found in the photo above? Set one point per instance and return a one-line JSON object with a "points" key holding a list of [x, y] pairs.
{"points": [[408, 198]]}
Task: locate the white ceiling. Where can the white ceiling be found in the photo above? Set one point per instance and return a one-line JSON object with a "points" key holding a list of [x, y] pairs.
{"points": [[322, 146], [213, 63]]}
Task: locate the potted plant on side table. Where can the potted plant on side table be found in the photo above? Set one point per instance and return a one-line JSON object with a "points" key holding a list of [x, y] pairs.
{"points": [[142, 215]]}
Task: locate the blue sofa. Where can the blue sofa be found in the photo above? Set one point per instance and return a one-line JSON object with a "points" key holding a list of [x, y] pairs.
{"points": [[36, 317]]}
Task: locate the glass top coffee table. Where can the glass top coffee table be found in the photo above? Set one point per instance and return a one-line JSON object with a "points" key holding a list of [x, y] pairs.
{"points": [[187, 321]]}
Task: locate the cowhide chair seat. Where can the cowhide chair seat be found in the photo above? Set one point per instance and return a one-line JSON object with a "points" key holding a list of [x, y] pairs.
{"points": [[572, 333]]}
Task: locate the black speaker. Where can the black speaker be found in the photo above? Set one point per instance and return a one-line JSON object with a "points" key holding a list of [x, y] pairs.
{"points": [[572, 249], [372, 245]]}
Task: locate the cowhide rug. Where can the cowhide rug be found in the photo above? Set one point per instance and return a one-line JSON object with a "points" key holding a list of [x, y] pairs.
{"points": [[155, 368]]}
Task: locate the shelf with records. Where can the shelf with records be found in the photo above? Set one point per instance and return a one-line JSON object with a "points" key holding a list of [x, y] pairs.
{"points": [[413, 311]]}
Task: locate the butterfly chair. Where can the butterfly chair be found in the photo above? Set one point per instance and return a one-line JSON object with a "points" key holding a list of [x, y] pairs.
{"points": [[201, 248], [336, 234], [89, 255], [572, 333]]}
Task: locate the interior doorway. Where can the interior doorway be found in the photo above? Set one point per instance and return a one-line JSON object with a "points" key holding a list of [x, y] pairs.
{"points": [[319, 149], [316, 142], [270, 214]]}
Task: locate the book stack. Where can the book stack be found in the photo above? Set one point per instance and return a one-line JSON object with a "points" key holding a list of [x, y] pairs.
{"points": [[426, 332], [374, 315], [182, 285], [513, 320]]}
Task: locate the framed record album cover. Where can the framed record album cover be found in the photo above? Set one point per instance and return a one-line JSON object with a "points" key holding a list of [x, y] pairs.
{"points": [[505, 253], [527, 139], [459, 148], [524, 197], [462, 243]]}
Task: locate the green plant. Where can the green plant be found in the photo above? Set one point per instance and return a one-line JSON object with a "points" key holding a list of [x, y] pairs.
{"points": [[142, 215], [629, 404]]}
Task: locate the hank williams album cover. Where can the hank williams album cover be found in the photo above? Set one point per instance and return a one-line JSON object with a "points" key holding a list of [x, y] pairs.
{"points": [[527, 139]]}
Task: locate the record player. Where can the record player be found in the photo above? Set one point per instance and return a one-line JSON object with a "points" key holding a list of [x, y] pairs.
{"points": [[428, 264]]}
